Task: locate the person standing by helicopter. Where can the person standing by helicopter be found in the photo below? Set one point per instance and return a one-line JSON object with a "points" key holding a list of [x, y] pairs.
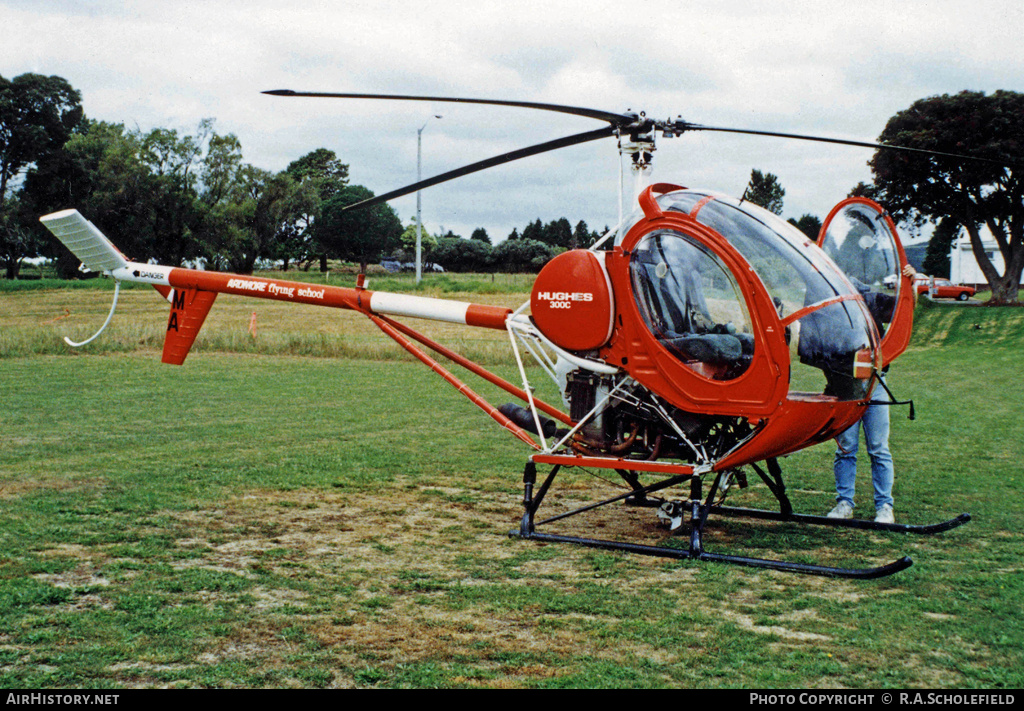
{"points": [[875, 423]]}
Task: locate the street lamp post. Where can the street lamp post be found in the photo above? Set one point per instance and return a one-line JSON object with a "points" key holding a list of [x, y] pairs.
{"points": [[419, 223]]}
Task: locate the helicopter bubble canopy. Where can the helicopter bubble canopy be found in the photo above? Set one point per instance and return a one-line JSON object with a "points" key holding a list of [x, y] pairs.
{"points": [[696, 307]]}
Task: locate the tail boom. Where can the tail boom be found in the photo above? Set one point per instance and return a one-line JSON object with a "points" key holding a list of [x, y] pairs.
{"points": [[381, 303], [194, 292]]}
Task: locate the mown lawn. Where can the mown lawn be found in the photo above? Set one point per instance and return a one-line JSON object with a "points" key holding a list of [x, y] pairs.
{"points": [[276, 520]]}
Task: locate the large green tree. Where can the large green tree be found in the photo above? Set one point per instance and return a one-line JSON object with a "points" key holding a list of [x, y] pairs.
{"points": [[323, 167], [139, 188], [971, 194], [294, 241], [809, 224], [221, 169], [38, 114], [102, 174], [533, 231], [936, 258], [558, 233], [360, 235], [323, 173], [174, 163], [249, 223], [765, 190], [582, 236]]}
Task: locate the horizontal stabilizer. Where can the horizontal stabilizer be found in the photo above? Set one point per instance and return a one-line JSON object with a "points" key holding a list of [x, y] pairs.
{"points": [[188, 311], [87, 243]]}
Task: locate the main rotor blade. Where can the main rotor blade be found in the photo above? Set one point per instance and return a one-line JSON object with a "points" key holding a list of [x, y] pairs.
{"points": [[489, 163], [612, 118], [685, 126]]}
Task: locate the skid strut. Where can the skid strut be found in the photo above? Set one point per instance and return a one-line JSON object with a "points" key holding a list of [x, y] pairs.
{"points": [[699, 509]]}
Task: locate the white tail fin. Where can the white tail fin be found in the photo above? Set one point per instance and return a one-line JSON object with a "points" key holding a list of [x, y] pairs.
{"points": [[87, 243]]}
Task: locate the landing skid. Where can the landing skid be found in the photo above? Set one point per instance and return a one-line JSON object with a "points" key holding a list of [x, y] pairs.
{"points": [[699, 510], [843, 522]]}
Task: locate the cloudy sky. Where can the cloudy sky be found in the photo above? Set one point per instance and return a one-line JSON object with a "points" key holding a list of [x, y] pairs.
{"points": [[802, 66]]}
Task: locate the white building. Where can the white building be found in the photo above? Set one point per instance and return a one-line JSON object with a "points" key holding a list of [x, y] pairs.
{"points": [[963, 267]]}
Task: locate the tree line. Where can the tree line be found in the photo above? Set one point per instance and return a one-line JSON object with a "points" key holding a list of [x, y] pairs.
{"points": [[160, 194], [175, 197], [521, 251], [178, 198]]}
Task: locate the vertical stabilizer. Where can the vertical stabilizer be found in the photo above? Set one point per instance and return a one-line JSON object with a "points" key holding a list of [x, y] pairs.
{"points": [[188, 311]]}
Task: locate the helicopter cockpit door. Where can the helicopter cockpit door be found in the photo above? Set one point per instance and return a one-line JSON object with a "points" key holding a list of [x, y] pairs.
{"points": [[860, 237]]}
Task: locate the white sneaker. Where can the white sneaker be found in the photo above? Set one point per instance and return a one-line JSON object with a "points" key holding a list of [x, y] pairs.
{"points": [[844, 509], [884, 514]]}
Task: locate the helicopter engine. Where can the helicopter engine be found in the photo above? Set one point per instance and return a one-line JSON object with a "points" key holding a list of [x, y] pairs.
{"points": [[633, 423]]}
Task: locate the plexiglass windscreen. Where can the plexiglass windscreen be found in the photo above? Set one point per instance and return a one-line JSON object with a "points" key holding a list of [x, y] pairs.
{"points": [[858, 239], [692, 304], [832, 334]]}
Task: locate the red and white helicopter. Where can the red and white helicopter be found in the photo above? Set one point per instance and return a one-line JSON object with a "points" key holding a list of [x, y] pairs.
{"points": [[702, 336]]}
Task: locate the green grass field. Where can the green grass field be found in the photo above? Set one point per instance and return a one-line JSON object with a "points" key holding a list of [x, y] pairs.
{"points": [[272, 519]]}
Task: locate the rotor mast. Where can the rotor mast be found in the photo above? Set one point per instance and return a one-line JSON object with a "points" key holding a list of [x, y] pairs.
{"points": [[637, 143]]}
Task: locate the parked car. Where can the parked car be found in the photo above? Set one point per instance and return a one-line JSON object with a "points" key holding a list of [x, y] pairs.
{"points": [[945, 289], [393, 265]]}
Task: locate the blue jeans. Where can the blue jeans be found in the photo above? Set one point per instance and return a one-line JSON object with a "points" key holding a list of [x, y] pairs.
{"points": [[875, 424]]}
